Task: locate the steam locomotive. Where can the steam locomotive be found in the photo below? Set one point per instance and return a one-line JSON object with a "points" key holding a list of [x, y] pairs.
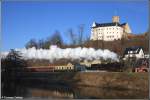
{"points": [[112, 67]]}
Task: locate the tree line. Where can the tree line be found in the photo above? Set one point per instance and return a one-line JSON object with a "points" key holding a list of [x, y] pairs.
{"points": [[56, 39]]}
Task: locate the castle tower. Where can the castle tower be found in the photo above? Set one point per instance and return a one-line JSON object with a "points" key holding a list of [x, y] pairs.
{"points": [[115, 19]]}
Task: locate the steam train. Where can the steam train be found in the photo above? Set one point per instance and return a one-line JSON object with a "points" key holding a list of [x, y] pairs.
{"points": [[112, 67], [39, 69]]}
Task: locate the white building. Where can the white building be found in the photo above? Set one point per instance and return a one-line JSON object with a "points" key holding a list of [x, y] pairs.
{"points": [[62, 66], [109, 31], [136, 52]]}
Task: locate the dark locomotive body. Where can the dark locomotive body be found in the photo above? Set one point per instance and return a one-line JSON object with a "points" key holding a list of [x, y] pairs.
{"points": [[114, 67]]}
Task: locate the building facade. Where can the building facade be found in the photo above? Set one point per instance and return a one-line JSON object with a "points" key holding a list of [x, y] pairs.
{"points": [[136, 52], [62, 67], [109, 31]]}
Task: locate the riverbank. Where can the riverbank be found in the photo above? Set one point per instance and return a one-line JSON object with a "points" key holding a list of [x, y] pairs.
{"points": [[117, 80], [100, 84]]}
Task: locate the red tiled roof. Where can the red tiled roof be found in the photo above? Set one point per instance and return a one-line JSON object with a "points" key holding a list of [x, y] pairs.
{"points": [[57, 64]]}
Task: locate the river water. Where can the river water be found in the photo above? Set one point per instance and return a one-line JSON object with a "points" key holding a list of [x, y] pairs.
{"points": [[62, 91]]}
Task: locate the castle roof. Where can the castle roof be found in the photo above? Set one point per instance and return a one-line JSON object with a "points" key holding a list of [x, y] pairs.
{"points": [[95, 25]]}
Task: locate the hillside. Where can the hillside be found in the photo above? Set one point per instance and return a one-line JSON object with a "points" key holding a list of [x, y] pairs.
{"points": [[117, 46]]}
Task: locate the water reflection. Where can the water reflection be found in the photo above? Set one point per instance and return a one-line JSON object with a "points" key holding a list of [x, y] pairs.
{"points": [[45, 90], [49, 93]]}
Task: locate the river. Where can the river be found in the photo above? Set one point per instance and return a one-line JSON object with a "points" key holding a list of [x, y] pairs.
{"points": [[41, 90]]}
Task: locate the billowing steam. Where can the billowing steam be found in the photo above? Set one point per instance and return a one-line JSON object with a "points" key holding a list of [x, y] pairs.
{"points": [[55, 53], [4, 54]]}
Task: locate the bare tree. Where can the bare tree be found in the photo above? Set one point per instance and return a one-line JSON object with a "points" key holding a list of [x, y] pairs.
{"points": [[81, 31], [56, 39], [11, 65], [72, 36], [86, 39], [41, 44], [47, 43], [31, 43]]}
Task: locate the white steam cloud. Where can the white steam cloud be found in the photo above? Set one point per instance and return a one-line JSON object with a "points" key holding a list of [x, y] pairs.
{"points": [[4, 54], [55, 53]]}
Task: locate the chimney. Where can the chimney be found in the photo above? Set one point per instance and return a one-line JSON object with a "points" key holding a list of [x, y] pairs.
{"points": [[115, 19]]}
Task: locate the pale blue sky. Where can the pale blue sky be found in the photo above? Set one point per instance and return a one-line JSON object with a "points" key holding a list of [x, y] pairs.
{"points": [[22, 21]]}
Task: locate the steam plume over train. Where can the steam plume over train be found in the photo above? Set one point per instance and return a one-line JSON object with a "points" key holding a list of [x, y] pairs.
{"points": [[55, 53]]}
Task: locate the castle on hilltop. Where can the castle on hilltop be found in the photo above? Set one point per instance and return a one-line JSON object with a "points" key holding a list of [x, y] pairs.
{"points": [[109, 31]]}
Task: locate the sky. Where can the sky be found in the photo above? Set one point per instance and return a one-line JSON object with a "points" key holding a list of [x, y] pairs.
{"points": [[22, 21]]}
